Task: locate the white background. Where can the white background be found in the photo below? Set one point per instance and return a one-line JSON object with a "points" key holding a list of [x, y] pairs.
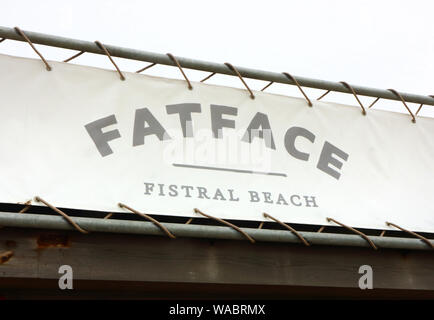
{"points": [[389, 175], [384, 44]]}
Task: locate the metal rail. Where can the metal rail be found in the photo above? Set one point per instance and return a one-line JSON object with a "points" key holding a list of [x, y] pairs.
{"points": [[87, 46], [38, 221]]}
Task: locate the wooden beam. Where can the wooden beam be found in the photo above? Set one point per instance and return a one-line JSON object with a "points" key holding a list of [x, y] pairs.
{"points": [[38, 254]]}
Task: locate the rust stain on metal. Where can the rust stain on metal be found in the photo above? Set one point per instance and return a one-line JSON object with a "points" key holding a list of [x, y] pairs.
{"points": [[53, 240], [5, 256]]}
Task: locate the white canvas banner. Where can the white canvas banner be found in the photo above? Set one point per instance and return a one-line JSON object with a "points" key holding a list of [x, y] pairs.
{"points": [[80, 138]]}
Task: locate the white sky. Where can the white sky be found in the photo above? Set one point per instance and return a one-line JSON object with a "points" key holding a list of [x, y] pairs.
{"points": [[384, 44]]}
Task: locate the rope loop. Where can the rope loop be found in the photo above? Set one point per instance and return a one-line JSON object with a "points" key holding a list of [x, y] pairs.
{"points": [[412, 233], [226, 223], [420, 107], [209, 76], [350, 88], [103, 48], [74, 56], [374, 102], [396, 93], [144, 215], [146, 68], [172, 57], [364, 236], [27, 206], [22, 34], [63, 214], [289, 228], [269, 84], [323, 95], [233, 69], [292, 78]]}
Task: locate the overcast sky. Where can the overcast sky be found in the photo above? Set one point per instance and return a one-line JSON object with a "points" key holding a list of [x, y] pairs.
{"points": [[384, 44]]}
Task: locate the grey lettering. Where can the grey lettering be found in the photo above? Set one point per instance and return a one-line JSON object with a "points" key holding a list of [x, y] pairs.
{"points": [[297, 204], [267, 197], [310, 200], [202, 193], [161, 189], [281, 200], [218, 194], [253, 196], [184, 110], [290, 137], [101, 139], [256, 128], [173, 190], [231, 195], [140, 131], [187, 190], [149, 188], [217, 121], [326, 158]]}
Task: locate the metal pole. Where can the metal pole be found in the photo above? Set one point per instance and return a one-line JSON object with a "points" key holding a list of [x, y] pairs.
{"points": [[87, 46], [11, 219]]}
